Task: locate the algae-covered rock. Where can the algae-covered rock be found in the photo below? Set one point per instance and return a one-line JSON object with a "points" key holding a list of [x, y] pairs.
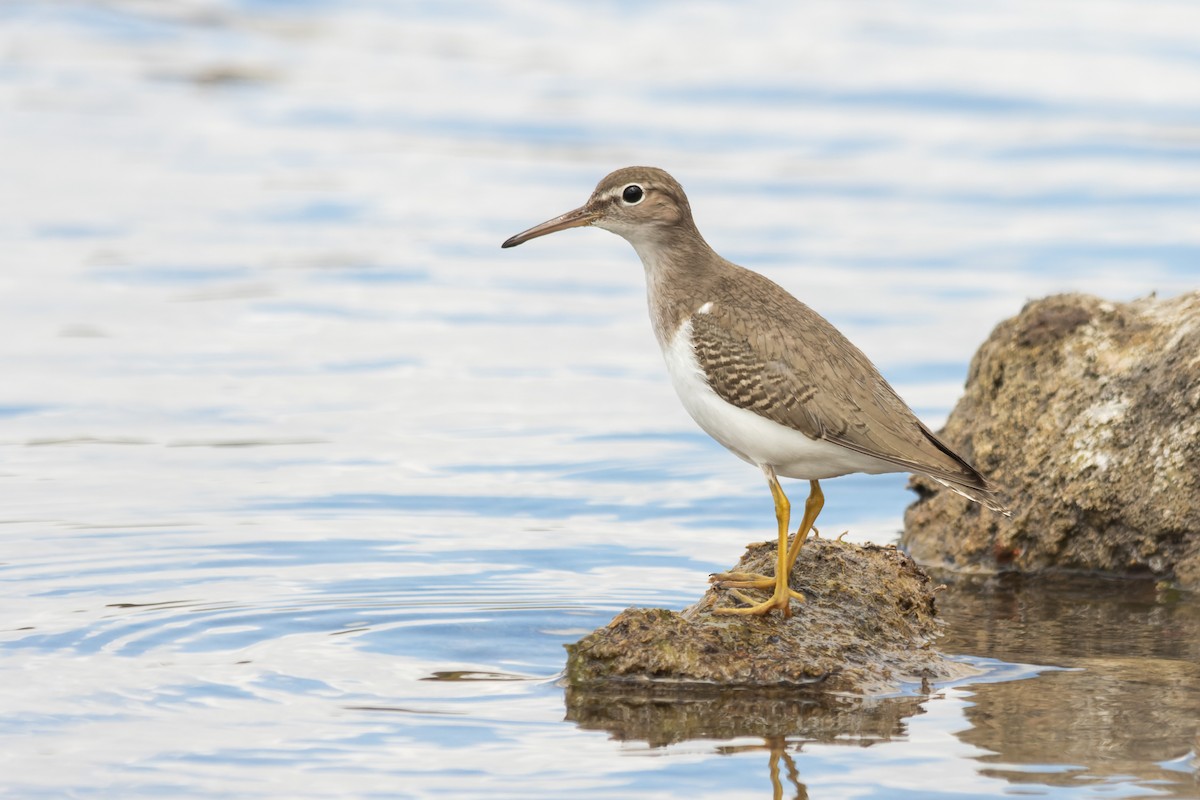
{"points": [[865, 628], [1087, 413]]}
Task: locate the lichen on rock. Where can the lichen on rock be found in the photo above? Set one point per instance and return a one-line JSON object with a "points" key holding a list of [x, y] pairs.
{"points": [[1087, 414]]}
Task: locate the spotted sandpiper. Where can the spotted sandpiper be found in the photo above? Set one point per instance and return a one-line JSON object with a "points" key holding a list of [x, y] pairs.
{"points": [[762, 373]]}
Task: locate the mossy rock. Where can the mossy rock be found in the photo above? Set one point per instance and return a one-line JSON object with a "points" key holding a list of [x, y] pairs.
{"points": [[866, 627]]}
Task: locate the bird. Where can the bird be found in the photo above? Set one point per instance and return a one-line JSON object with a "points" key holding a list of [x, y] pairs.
{"points": [[760, 372]]}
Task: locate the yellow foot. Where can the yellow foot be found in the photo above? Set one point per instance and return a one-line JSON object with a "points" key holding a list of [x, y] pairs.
{"points": [[747, 580], [782, 602]]}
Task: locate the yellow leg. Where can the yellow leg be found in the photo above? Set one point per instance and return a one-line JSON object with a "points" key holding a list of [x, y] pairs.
{"points": [[781, 596], [785, 556], [812, 507]]}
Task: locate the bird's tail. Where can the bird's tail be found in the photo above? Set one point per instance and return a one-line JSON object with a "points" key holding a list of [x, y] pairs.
{"points": [[978, 490]]}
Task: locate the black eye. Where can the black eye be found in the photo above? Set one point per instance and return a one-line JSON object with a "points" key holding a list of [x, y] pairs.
{"points": [[633, 194]]}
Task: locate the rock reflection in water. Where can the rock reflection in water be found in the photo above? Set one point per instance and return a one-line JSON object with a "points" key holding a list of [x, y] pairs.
{"points": [[1128, 703], [785, 719], [662, 716]]}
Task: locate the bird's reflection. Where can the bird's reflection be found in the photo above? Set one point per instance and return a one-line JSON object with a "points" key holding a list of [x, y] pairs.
{"points": [[777, 746]]}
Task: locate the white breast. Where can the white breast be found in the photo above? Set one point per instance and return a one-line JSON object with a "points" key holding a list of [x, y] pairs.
{"points": [[756, 439]]}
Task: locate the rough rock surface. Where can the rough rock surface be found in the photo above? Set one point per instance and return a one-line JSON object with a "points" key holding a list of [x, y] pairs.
{"points": [[1087, 414], [865, 628]]}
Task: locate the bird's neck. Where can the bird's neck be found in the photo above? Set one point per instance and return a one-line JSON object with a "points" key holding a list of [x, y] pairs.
{"points": [[680, 267]]}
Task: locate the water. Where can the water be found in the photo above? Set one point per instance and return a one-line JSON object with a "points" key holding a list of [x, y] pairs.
{"points": [[305, 482]]}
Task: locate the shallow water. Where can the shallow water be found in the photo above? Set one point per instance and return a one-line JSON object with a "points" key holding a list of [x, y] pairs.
{"points": [[306, 482]]}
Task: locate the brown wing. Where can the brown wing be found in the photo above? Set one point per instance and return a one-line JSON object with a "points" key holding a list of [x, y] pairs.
{"points": [[796, 369]]}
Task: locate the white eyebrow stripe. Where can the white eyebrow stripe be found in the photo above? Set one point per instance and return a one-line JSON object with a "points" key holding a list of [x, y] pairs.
{"points": [[704, 309]]}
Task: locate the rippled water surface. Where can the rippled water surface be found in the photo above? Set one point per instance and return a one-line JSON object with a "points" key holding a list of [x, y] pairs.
{"points": [[305, 482]]}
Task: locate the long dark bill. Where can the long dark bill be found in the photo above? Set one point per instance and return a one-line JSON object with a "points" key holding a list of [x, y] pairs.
{"points": [[572, 219]]}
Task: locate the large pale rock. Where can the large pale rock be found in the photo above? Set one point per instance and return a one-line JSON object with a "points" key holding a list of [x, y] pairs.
{"points": [[1087, 414]]}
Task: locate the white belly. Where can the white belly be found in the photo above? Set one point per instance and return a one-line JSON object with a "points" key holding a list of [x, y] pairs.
{"points": [[757, 439]]}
